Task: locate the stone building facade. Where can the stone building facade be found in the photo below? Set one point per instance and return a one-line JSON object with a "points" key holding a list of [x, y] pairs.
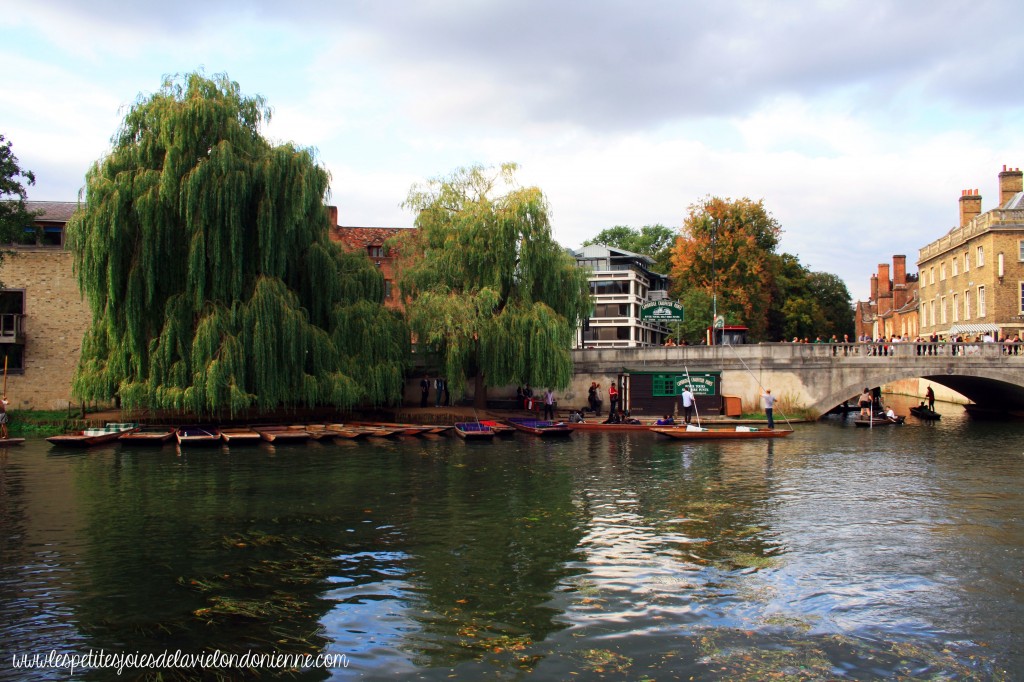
{"points": [[972, 278], [44, 315]]}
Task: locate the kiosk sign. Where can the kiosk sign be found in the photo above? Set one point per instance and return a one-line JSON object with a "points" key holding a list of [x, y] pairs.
{"points": [[700, 383], [662, 311]]}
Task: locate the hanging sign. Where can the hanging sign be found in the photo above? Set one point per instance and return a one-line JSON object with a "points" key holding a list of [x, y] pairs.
{"points": [[662, 311]]}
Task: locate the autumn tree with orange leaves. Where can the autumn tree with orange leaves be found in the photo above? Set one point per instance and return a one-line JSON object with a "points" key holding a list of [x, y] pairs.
{"points": [[727, 248]]}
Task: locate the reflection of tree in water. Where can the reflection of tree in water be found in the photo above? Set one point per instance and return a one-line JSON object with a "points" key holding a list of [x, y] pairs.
{"points": [[201, 556], [490, 545]]}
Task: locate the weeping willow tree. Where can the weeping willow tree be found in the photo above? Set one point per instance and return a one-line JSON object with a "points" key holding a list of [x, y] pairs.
{"points": [[486, 286], [205, 256]]}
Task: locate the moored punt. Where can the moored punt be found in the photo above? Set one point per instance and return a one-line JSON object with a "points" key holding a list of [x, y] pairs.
{"points": [[499, 428], [540, 428], [198, 435], [89, 437], [474, 431], [697, 433], [240, 436], [283, 434], [398, 429], [148, 435], [601, 426], [346, 431], [4, 442]]}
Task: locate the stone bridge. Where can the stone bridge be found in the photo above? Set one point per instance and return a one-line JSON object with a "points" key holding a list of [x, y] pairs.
{"points": [[819, 376]]}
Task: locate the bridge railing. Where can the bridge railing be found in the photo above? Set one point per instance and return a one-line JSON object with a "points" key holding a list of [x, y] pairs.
{"points": [[837, 352]]}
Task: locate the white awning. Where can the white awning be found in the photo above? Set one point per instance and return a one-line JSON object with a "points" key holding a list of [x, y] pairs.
{"points": [[973, 328]]}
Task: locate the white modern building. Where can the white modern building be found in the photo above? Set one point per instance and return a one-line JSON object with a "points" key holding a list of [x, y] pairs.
{"points": [[620, 282]]}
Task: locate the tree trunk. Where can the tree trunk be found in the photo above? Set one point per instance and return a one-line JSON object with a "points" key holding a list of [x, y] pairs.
{"points": [[479, 392]]}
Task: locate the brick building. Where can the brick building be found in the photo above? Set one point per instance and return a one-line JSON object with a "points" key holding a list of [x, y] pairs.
{"points": [[892, 309], [43, 317], [972, 278], [371, 240]]}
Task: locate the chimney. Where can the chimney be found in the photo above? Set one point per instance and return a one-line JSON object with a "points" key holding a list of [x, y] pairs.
{"points": [[884, 289], [1011, 182], [899, 281], [874, 288], [332, 216], [970, 205]]}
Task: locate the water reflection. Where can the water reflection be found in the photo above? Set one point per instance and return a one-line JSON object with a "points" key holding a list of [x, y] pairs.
{"points": [[838, 551]]}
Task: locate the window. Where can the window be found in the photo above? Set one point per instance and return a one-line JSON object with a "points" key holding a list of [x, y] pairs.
{"points": [[375, 251], [956, 266], [924, 316], [931, 275], [1021, 311], [967, 261], [981, 302], [609, 288], [956, 307], [942, 307], [934, 319], [942, 270], [980, 260], [389, 289], [967, 304], [14, 354], [1020, 249], [611, 310]]}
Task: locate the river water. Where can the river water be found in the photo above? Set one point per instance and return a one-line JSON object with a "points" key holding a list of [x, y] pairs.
{"points": [[836, 553]]}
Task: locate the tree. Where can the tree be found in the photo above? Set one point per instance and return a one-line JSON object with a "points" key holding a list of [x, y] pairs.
{"points": [[485, 284], [650, 240], [726, 250], [14, 216], [203, 251]]}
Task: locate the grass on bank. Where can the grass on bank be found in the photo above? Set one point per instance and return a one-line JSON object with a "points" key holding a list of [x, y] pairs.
{"points": [[22, 423]]}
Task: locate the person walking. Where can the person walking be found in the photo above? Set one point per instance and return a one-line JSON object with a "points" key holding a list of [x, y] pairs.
{"points": [[769, 407], [438, 390], [424, 391], [687, 398]]}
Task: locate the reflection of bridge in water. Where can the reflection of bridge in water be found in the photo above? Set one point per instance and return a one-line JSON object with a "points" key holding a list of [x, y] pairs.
{"points": [[819, 376]]}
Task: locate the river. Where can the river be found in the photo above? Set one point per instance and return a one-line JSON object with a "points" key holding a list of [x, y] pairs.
{"points": [[836, 553]]}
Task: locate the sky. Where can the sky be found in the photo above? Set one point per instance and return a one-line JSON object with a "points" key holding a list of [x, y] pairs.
{"points": [[857, 123]]}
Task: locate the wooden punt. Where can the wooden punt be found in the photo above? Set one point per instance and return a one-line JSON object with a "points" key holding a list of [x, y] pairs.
{"points": [[499, 428], [879, 421], [544, 429], [150, 435], [601, 426], [398, 429], [90, 437], [4, 442], [346, 431], [474, 431], [282, 434], [206, 436], [240, 436], [739, 432]]}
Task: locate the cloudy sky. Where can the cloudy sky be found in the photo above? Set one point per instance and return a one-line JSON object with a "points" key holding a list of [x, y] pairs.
{"points": [[857, 123]]}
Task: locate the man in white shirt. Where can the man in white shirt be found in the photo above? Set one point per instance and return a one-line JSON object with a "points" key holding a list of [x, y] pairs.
{"points": [[687, 403], [769, 407]]}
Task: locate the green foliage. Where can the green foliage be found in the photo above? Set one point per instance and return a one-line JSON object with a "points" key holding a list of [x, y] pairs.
{"points": [[204, 254], [486, 285], [728, 249], [655, 241], [14, 217]]}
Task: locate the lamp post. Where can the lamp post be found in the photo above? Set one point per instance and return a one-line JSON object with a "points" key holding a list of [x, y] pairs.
{"points": [[714, 281]]}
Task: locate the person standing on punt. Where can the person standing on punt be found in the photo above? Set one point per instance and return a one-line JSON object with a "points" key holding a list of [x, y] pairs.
{"points": [[930, 395], [549, 405], [864, 402], [769, 407], [3, 418], [687, 403]]}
